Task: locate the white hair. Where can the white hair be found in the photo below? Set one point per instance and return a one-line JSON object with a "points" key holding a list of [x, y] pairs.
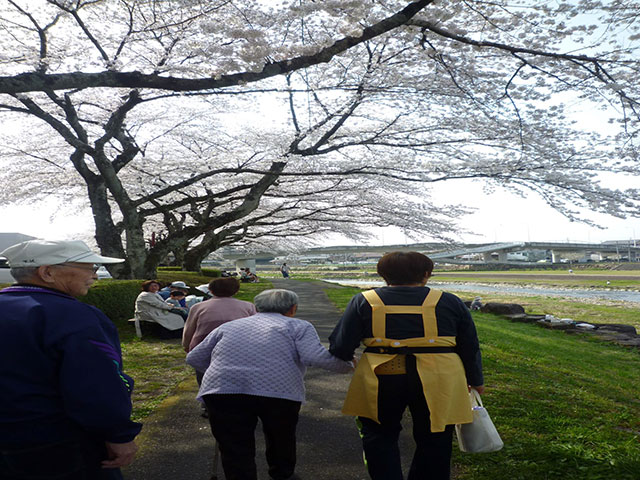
{"points": [[276, 300], [23, 274]]}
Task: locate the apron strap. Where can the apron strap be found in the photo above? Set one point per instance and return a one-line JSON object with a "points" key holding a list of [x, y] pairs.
{"points": [[379, 312]]}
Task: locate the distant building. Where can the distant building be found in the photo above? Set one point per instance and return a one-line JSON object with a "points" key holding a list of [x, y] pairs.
{"points": [[528, 255]]}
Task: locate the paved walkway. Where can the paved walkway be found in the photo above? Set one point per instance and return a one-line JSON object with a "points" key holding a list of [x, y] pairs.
{"points": [[176, 442]]}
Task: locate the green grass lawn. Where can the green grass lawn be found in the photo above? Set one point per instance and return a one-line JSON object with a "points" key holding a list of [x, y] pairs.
{"points": [[566, 406]]}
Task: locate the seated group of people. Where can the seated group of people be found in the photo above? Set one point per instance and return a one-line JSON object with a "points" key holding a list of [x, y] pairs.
{"points": [[247, 276], [168, 307]]}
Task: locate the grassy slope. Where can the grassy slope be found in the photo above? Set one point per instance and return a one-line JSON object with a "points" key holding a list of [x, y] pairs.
{"points": [[567, 407]]}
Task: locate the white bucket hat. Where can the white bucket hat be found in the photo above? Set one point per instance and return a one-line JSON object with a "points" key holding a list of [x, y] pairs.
{"points": [[180, 284], [35, 253]]}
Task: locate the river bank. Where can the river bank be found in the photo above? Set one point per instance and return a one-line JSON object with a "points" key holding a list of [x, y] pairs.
{"points": [[598, 279], [621, 295], [581, 305]]}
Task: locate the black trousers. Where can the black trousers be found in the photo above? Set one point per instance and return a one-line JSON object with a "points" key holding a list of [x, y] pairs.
{"points": [[233, 421], [432, 457], [70, 460]]}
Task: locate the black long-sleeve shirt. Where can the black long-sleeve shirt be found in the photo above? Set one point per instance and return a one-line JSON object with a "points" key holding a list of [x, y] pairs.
{"points": [[452, 315]]}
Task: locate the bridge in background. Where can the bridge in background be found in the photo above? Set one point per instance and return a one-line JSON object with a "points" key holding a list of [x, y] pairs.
{"points": [[515, 253]]}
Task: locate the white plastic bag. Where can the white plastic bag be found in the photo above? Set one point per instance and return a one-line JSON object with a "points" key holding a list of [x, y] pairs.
{"points": [[481, 435]]}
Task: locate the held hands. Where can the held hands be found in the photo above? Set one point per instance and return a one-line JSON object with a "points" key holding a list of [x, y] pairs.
{"points": [[120, 454], [354, 360]]}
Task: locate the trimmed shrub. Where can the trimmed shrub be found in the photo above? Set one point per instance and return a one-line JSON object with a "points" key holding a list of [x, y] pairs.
{"points": [[211, 272], [169, 269], [193, 279], [116, 298]]}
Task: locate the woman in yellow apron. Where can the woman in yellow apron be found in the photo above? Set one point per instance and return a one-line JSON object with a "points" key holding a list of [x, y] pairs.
{"points": [[421, 352]]}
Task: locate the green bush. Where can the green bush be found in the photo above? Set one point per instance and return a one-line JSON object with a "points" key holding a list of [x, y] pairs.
{"points": [[116, 298], [170, 269], [211, 272]]}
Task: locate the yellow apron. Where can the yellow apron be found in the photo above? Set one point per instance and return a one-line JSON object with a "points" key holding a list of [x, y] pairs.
{"points": [[442, 375]]}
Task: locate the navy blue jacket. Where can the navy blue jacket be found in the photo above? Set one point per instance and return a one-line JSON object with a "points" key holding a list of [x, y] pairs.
{"points": [[60, 371]]}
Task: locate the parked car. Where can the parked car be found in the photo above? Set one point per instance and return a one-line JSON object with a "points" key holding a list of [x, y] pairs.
{"points": [[5, 275], [103, 273]]}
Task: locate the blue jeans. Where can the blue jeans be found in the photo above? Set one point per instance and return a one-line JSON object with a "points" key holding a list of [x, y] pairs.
{"points": [[70, 460]]}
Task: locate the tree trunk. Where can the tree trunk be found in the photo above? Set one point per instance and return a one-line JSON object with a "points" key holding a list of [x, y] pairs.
{"points": [[107, 235], [178, 257], [194, 256], [137, 253], [192, 260]]}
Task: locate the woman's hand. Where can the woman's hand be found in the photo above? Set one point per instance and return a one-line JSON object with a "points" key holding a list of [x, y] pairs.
{"points": [[477, 388]]}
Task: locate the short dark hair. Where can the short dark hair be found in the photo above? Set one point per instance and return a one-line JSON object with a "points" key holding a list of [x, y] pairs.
{"points": [[177, 293], [404, 268], [224, 287], [147, 283]]}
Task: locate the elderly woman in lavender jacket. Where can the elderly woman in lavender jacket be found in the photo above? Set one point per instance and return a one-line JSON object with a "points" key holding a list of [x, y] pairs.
{"points": [[254, 368]]}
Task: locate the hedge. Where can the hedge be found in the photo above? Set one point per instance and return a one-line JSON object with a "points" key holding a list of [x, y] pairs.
{"points": [[116, 298], [206, 271], [211, 272]]}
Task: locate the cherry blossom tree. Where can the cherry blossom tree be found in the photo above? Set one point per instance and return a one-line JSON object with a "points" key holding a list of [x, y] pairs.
{"points": [[189, 125]]}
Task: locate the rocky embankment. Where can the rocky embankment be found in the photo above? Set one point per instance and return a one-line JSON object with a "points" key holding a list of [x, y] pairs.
{"points": [[620, 334]]}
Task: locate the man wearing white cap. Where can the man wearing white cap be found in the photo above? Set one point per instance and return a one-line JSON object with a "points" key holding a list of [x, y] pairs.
{"points": [[65, 403], [189, 300]]}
